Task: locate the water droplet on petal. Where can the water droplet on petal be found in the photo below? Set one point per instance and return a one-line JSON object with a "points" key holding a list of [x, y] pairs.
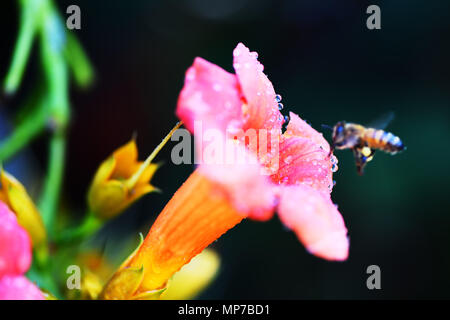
{"points": [[280, 106], [334, 167], [278, 98], [333, 159]]}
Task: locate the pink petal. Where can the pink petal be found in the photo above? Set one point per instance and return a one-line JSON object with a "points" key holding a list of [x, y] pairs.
{"points": [[298, 127], [18, 288], [247, 188], [302, 161], [316, 221], [15, 244], [211, 95], [262, 109]]}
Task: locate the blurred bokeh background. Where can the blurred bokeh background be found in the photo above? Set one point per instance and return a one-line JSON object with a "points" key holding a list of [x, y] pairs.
{"points": [[328, 67]]}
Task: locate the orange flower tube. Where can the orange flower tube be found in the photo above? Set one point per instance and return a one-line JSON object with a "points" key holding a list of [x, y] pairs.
{"points": [[195, 216]]}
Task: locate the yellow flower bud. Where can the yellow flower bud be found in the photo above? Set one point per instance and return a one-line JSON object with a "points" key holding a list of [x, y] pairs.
{"points": [[194, 277], [13, 193], [122, 179]]}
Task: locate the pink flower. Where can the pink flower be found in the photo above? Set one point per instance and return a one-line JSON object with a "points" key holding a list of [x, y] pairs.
{"points": [[300, 170], [15, 259]]}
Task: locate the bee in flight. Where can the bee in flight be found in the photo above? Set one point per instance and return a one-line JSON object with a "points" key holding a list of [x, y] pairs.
{"points": [[364, 141]]}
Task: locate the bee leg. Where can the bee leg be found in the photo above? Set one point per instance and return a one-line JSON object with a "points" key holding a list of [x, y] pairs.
{"points": [[362, 155], [360, 164]]}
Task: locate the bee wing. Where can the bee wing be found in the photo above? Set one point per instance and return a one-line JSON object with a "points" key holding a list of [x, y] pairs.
{"points": [[382, 121]]}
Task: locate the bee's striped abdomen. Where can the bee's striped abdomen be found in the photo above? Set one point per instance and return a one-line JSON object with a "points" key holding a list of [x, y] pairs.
{"points": [[386, 141]]}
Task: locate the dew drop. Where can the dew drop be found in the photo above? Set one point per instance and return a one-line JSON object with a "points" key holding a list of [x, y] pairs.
{"points": [[278, 98], [333, 159], [280, 106], [286, 119], [334, 167]]}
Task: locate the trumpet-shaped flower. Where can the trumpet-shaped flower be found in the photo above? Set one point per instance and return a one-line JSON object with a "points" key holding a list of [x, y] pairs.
{"points": [[300, 169], [13, 193], [297, 179], [15, 259]]}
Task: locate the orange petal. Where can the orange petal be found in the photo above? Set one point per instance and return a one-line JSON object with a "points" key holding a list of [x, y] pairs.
{"points": [[195, 216], [316, 221], [126, 159]]}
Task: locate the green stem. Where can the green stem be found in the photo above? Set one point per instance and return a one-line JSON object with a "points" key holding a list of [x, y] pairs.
{"points": [[88, 227], [55, 69], [53, 181], [27, 29], [78, 62], [32, 126]]}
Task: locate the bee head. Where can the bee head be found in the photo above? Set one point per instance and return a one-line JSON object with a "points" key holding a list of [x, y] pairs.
{"points": [[339, 136]]}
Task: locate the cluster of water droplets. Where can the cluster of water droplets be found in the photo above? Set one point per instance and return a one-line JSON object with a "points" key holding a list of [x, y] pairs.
{"points": [[334, 168], [283, 119], [247, 65], [334, 162]]}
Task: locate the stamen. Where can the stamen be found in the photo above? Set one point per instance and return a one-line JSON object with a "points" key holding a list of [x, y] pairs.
{"points": [[131, 182]]}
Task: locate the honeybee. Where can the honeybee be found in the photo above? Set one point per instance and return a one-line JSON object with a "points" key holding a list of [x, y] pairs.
{"points": [[364, 141]]}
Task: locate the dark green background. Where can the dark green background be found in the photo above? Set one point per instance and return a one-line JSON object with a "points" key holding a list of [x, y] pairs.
{"points": [[328, 67]]}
